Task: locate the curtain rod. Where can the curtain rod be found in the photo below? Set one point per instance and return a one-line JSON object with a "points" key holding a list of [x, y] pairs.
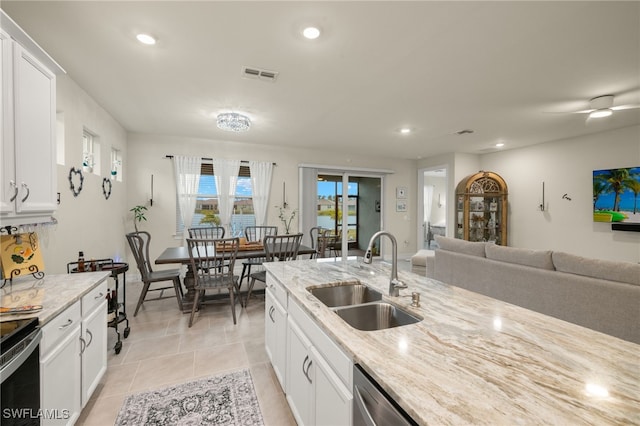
{"points": [[211, 159]]}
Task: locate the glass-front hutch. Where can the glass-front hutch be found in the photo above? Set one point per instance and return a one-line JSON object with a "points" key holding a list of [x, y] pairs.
{"points": [[481, 208]]}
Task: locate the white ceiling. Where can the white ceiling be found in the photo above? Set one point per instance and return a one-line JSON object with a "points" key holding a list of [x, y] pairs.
{"points": [[499, 68]]}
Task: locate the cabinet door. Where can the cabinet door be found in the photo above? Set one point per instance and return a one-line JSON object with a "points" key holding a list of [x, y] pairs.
{"points": [[332, 400], [34, 89], [276, 336], [299, 381], [94, 350], [60, 381], [7, 163]]}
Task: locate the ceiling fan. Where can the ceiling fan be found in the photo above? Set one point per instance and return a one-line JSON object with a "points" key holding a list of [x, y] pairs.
{"points": [[602, 106]]}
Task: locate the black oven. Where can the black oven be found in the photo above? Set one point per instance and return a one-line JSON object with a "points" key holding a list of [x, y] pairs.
{"points": [[20, 372]]}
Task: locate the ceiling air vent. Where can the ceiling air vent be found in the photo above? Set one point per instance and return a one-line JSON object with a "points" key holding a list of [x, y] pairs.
{"points": [[259, 74]]}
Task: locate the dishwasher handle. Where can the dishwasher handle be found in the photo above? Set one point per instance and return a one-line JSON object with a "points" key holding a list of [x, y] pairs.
{"points": [[360, 404]]}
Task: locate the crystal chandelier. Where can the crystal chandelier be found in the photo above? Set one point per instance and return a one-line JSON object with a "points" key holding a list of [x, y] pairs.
{"points": [[233, 122]]}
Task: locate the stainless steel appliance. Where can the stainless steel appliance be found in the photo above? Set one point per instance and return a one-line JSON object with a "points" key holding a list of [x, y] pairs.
{"points": [[372, 406], [20, 372]]}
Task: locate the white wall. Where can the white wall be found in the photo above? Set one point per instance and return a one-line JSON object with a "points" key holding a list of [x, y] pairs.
{"points": [[146, 156], [566, 166], [87, 222]]}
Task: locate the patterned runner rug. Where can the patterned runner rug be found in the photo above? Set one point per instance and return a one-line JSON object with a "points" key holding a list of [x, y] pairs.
{"points": [[228, 399]]}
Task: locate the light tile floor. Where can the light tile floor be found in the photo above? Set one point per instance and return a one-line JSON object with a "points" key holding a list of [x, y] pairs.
{"points": [[162, 350]]}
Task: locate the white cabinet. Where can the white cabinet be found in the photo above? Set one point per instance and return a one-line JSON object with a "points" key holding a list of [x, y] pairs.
{"points": [[94, 340], [276, 335], [29, 181], [317, 392], [60, 368], [73, 357]]}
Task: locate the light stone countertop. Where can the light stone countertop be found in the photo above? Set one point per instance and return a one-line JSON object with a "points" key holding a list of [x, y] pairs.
{"points": [[54, 292], [474, 359]]}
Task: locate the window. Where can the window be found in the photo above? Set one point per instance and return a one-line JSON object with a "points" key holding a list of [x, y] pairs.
{"points": [[116, 165], [207, 202], [90, 152]]}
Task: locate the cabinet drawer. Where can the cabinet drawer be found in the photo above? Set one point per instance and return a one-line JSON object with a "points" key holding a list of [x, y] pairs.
{"points": [[332, 353], [277, 290], [94, 298], [60, 327]]}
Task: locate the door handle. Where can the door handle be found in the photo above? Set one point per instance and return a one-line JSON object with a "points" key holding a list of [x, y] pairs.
{"points": [[83, 345], [271, 309], [305, 371], [91, 337], [366, 416], [25, 186], [15, 190]]}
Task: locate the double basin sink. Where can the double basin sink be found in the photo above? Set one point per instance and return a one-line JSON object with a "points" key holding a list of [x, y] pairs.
{"points": [[361, 306]]}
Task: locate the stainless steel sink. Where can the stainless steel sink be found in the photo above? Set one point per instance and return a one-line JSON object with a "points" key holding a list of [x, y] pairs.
{"points": [[375, 316], [345, 294]]}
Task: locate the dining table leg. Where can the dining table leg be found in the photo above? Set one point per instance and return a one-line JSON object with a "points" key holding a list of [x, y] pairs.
{"points": [[189, 297]]}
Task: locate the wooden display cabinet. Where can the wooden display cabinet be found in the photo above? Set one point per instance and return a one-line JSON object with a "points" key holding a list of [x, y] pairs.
{"points": [[481, 208]]}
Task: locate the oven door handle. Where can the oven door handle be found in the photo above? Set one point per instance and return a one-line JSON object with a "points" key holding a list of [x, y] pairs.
{"points": [[366, 416], [16, 362]]}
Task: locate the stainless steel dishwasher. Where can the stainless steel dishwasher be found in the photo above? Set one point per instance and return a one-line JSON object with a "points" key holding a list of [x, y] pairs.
{"points": [[372, 406]]}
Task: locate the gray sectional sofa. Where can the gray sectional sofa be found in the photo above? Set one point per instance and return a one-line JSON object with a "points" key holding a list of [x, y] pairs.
{"points": [[597, 294]]}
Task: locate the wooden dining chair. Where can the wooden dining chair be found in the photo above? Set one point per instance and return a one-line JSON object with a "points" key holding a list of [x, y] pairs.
{"points": [[255, 233], [315, 233], [220, 252], [139, 243], [208, 232], [277, 248]]}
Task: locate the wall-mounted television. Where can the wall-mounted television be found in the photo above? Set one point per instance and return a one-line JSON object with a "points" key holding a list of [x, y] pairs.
{"points": [[616, 198]]}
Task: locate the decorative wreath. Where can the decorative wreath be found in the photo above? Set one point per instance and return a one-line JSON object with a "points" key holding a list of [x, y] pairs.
{"points": [[106, 188], [73, 173]]}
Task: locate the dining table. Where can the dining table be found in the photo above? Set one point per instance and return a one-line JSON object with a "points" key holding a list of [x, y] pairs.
{"points": [[180, 255]]}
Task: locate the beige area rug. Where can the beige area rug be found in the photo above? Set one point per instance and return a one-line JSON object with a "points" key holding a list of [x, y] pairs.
{"points": [[227, 399]]}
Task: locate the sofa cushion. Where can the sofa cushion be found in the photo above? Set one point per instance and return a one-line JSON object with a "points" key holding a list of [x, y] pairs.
{"points": [[624, 272], [420, 258], [527, 257], [461, 246]]}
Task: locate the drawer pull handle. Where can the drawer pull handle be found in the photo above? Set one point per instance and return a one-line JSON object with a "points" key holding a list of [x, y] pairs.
{"points": [[69, 322]]}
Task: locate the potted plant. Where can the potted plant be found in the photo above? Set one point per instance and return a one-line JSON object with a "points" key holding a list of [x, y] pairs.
{"points": [[138, 215]]}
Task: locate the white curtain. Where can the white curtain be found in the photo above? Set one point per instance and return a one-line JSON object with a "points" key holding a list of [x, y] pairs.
{"points": [[260, 184], [187, 173], [226, 176]]}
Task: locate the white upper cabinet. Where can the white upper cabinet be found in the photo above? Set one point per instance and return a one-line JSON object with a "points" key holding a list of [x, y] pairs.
{"points": [[28, 113]]}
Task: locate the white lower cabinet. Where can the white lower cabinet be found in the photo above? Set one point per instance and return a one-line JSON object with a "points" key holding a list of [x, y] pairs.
{"points": [[73, 357], [94, 344], [276, 335], [316, 393], [60, 368]]}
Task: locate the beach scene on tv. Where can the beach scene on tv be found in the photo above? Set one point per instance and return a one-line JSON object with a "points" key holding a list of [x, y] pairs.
{"points": [[616, 195]]}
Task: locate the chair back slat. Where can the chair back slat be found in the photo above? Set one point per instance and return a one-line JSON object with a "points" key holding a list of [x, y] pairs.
{"points": [[139, 243], [257, 233], [206, 232], [282, 247], [212, 259]]}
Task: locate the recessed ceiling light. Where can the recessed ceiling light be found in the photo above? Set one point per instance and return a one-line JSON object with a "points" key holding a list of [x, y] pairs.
{"points": [[405, 130], [311, 33], [499, 144], [146, 39]]}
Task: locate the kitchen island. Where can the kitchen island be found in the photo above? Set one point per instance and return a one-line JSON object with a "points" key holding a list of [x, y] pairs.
{"points": [[473, 359]]}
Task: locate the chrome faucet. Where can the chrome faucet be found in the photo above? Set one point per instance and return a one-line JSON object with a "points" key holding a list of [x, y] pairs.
{"points": [[394, 284]]}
